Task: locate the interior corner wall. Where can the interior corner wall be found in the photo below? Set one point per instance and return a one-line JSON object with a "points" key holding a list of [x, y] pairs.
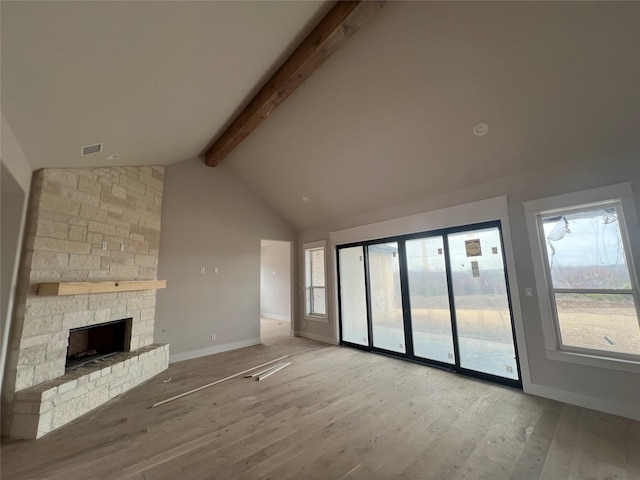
{"points": [[602, 389], [16, 183], [211, 219], [13, 157], [13, 201]]}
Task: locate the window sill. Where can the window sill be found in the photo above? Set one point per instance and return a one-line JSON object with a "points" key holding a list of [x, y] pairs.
{"points": [[317, 318], [594, 360]]}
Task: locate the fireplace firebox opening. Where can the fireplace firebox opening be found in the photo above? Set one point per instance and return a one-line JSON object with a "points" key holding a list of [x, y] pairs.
{"points": [[95, 342]]}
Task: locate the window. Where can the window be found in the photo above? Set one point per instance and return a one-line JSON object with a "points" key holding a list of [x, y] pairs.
{"points": [[315, 286], [588, 280]]}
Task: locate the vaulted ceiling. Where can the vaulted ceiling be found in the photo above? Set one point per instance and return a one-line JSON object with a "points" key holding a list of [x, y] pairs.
{"points": [[153, 81], [387, 119]]}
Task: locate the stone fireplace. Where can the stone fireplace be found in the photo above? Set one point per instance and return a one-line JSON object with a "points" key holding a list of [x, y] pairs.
{"points": [[83, 225]]}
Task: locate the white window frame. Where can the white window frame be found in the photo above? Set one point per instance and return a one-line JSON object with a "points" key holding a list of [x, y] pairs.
{"points": [[621, 195], [306, 247]]}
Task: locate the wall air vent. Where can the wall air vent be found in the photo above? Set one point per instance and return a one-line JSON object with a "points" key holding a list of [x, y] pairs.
{"points": [[91, 149]]}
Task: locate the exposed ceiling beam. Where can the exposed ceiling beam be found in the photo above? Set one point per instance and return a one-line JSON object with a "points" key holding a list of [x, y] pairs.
{"points": [[340, 23]]}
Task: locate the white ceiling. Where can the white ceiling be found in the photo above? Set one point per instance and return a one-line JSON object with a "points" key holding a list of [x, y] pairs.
{"points": [[154, 81], [387, 119]]}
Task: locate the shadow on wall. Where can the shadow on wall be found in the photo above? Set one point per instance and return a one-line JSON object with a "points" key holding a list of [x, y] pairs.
{"points": [[12, 207]]}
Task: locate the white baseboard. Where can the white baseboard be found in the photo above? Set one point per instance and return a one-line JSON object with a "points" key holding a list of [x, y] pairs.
{"points": [[594, 403], [225, 347], [273, 316], [318, 338]]}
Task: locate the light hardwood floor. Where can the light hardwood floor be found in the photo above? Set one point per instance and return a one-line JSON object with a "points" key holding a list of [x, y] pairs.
{"points": [[335, 413], [273, 331]]}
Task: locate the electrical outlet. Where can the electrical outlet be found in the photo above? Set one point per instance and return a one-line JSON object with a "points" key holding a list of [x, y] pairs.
{"points": [[104, 245], [201, 269], [122, 247], [509, 369], [450, 355], [213, 337], [528, 292]]}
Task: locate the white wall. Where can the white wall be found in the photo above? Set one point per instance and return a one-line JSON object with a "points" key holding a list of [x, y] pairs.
{"points": [[275, 280], [211, 219], [595, 387], [15, 185], [12, 200], [13, 157]]}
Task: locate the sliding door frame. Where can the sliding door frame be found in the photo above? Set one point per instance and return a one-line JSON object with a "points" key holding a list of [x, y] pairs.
{"points": [[406, 300]]}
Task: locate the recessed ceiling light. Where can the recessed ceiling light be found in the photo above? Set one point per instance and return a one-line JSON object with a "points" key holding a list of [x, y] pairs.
{"points": [[113, 157], [305, 199], [481, 129]]}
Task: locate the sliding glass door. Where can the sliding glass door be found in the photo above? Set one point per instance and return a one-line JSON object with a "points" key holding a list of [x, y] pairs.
{"points": [[386, 297], [439, 298], [429, 299], [483, 316], [353, 301]]}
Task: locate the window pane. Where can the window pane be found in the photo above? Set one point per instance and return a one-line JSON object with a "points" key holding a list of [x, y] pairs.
{"points": [[600, 322], [430, 313], [319, 301], [317, 267], [482, 306], [353, 301], [315, 281], [386, 297], [585, 250]]}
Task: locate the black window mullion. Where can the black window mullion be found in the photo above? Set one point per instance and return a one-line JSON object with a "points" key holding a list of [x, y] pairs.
{"points": [[508, 289], [452, 301], [339, 286], [406, 300], [367, 293]]}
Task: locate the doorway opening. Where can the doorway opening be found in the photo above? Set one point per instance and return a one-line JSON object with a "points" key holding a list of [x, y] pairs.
{"points": [[275, 290]]}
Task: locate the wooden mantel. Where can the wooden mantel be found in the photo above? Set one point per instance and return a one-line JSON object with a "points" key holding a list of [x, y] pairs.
{"points": [[77, 288]]}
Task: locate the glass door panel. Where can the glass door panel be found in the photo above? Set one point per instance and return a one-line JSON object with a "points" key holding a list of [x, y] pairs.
{"points": [[483, 318], [353, 301], [429, 297], [386, 297]]}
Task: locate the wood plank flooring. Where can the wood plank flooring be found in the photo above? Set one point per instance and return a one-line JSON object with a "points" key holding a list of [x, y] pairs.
{"points": [[334, 413], [274, 331]]}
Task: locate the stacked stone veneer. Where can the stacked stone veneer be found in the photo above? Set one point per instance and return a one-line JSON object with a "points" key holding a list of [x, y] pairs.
{"points": [[71, 213]]}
